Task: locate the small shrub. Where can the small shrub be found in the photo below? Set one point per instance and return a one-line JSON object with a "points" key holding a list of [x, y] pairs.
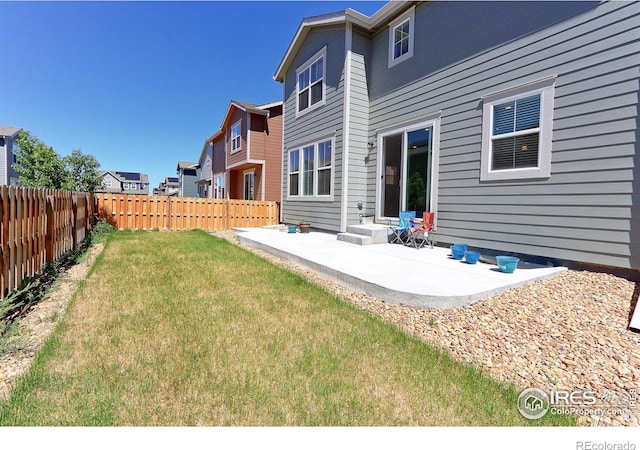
{"points": [[101, 230]]}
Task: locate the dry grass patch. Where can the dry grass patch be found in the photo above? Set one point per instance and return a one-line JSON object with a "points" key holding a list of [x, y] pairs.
{"points": [[186, 329]]}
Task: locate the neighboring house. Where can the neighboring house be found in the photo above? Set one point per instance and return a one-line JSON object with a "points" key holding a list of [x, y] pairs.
{"points": [[188, 173], [205, 163], [167, 187], [515, 122], [124, 182], [219, 168], [252, 135], [8, 147]]}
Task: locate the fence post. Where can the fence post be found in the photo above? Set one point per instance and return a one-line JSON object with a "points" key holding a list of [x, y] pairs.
{"points": [[74, 220], [50, 236]]}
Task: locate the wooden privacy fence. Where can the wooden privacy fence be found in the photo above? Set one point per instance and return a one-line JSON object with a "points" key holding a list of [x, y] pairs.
{"points": [[38, 226], [144, 212]]}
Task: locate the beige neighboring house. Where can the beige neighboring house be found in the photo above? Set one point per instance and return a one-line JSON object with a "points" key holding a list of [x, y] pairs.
{"points": [[8, 147], [124, 182]]}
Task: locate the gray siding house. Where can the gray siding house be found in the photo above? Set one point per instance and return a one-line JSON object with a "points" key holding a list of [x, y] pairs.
{"points": [[516, 123], [8, 146], [205, 163], [188, 174]]}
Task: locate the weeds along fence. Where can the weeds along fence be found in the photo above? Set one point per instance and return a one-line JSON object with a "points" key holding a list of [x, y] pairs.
{"points": [[38, 226], [144, 212]]}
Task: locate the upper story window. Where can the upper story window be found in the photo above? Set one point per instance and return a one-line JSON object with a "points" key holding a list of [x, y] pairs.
{"points": [[310, 85], [236, 132], [516, 132], [401, 37], [1, 142], [107, 183]]}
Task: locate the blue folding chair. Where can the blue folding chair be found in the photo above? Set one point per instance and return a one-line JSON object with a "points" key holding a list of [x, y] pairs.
{"points": [[400, 234]]}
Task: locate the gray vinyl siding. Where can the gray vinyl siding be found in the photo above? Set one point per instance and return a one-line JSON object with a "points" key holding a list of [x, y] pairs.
{"points": [[3, 161], [360, 170], [589, 209], [206, 163], [189, 187], [12, 175], [321, 123]]}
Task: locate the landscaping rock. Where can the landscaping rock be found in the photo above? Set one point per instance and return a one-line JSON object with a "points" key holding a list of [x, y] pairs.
{"points": [[567, 332]]}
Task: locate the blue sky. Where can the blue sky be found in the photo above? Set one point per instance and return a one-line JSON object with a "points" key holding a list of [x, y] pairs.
{"points": [[141, 85]]}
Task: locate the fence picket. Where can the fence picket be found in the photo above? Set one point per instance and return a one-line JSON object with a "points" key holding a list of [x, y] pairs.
{"points": [[38, 226], [180, 213]]}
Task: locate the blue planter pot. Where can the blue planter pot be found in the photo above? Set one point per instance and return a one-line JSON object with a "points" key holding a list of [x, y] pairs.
{"points": [[507, 264], [471, 257], [457, 252], [293, 228]]}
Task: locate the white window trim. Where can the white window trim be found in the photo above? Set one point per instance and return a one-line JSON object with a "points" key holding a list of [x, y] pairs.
{"points": [[314, 197], [321, 54], [410, 15], [289, 173], [231, 139], [433, 120], [545, 88]]}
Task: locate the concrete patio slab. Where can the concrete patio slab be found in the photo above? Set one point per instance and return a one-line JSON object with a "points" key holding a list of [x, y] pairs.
{"points": [[425, 278]]}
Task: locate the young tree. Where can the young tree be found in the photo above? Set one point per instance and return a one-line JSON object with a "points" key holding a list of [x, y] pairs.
{"points": [[38, 164], [41, 167], [81, 172]]}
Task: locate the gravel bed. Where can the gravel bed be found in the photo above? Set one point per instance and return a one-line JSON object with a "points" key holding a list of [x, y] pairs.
{"points": [[568, 332]]}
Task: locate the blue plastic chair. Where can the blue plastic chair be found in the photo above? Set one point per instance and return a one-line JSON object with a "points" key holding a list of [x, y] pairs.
{"points": [[400, 232]]}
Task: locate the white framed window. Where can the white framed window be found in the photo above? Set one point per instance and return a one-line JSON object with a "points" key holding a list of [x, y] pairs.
{"points": [[108, 183], [310, 171], [218, 187], [125, 186], [236, 133], [517, 127], [310, 83], [133, 186], [294, 173], [249, 183], [401, 37]]}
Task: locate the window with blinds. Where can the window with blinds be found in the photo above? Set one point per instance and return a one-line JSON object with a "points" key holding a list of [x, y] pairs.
{"points": [[517, 128], [515, 134]]}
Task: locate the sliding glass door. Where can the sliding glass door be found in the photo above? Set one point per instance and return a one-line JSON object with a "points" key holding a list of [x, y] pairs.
{"points": [[406, 172]]}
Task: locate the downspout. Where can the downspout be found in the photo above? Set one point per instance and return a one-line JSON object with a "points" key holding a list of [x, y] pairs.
{"points": [[344, 200]]}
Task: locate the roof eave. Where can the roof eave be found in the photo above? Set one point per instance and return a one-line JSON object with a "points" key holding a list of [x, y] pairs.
{"points": [[349, 15]]}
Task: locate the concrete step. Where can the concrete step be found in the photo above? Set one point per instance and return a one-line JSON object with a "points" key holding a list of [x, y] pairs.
{"points": [[355, 238], [365, 234], [379, 233]]}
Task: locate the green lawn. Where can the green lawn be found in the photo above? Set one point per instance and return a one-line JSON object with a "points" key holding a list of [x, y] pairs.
{"points": [[184, 328]]}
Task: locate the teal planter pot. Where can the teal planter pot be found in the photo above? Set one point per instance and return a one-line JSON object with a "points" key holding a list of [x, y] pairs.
{"points": [[507, 264]]}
